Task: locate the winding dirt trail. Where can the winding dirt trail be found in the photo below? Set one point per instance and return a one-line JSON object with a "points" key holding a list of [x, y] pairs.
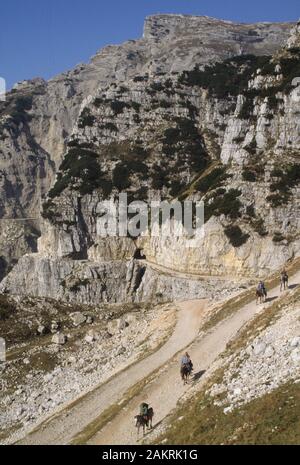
{"points": [[67, 423], [164, 392]]}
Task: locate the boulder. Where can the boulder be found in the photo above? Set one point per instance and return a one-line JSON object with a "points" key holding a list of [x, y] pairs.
{"points": [[259, 348], [78, 318], [122, 324], [59, 338], [295, 342], [54, 326], [41, 329], [295, 355], [91, 336], [121, 350], [269, 351]]}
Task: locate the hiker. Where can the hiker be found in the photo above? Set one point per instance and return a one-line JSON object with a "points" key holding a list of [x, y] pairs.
{"points": [[144, 411], [261, 287], [186, 361], [144, 418], [284, 280]]}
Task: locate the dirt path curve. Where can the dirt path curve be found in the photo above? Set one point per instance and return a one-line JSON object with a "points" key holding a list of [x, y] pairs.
{"points": [[63, 426], [164, 392], [188, 275]]}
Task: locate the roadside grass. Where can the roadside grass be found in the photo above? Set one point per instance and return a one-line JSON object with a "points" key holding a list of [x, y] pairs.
{"points": [[271, 419], [100, 422]]}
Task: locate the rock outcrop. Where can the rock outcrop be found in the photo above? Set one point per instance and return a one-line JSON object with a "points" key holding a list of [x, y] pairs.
{"points": [[227, 134], [38, 116]]}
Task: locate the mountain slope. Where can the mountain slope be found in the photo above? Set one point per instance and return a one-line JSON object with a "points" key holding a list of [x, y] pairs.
{"points": [[38, 117]]}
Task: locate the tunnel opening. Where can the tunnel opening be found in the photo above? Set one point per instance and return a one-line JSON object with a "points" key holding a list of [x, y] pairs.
{"points": [[139, 255]]}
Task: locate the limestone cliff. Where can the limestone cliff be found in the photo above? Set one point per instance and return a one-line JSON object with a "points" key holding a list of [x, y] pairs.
{"points": [[227, 133], [38, 117]]}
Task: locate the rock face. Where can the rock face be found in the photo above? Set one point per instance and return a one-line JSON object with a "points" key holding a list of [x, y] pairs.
{"points": [[38, 116], [111, 281], [227, 134]]}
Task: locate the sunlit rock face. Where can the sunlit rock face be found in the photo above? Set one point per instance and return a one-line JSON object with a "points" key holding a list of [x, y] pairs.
{"points": [[140, 119]]}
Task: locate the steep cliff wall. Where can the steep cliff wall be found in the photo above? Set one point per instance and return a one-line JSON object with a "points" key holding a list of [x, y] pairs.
{"points": [[38, 117], [228, 134]]}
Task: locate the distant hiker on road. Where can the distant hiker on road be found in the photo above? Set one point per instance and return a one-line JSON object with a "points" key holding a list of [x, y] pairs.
{"points": [[186, 367], [284, 280], [144, 418], [261, 292], [186, 361]]}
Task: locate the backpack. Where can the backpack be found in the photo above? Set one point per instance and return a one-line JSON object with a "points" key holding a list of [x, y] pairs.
{"points": [[144, 408]]}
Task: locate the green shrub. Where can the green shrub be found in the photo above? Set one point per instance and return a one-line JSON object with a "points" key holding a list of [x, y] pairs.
{"points": [[159, 177], [110, 126], [246, 110], [18, 109], [98, 102], [7, 308], [227, 204], [277, 173], [259, 227], [249, 175], [140, 78], [123, 170], [175, 188], [211, 180], [165, 104], [236, 236], [278, 237], [80, 170], [157, 86], [287, 179], [251, 147], [86, 119], [136, 106], [229, 77], [118, 106], [276, 200], [185, 141], [250, 211], [120, 177]]}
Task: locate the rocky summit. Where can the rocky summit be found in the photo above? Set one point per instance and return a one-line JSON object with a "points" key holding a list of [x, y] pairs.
{"points": [[197, 109]]}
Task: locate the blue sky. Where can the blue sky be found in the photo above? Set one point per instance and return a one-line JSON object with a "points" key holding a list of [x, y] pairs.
{"points": [[46, 37]]}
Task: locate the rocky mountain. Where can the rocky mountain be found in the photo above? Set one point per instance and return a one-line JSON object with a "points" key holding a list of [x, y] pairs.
{"points": [[38, 117], [227, 133], [197, 109]]}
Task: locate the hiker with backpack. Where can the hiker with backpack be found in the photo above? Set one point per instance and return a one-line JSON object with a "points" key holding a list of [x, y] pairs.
{"points": [[144, 419], [144, 410]]}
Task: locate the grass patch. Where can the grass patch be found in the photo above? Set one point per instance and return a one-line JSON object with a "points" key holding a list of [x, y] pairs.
{"points": [[271, 419]]}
